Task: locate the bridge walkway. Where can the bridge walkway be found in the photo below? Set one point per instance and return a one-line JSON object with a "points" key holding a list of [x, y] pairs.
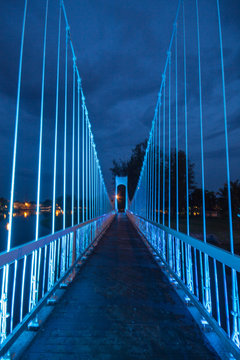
{"points": [[120, 306]]}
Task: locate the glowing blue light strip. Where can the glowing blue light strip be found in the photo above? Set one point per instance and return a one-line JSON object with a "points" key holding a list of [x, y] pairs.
{"points": [[186, 118], [201, 124], [155, 156], [4, 292], [188, 249], [235, 294], [78, 152], [169, 142], [83, 159], [226, 132], [86, 163], [41, 123], [207, 276], [56, 125], [65, 131], [73, 136], [176, 71], [164, 101], [159, 158], [16, 129]]}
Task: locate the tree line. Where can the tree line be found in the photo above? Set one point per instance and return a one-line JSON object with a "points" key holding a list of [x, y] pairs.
{"points": [[214, 201]]}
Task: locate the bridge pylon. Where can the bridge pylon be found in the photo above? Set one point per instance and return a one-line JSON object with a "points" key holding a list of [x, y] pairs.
{"points": [[121, 180]]}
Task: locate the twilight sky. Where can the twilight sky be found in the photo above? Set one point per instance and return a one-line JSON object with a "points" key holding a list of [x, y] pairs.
{"points": [[121, 51]]}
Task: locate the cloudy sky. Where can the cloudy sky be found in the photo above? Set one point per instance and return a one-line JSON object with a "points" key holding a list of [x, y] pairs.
{"points": [[121, 50]]}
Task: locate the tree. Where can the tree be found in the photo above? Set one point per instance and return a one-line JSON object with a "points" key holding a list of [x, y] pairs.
{"points": [[3, 204], [196, 200], [182, 180], [235, 198], [131, 168]]}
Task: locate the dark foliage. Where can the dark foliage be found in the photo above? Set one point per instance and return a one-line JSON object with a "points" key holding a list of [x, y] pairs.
{"points": [[235, 198], [131, 168]]}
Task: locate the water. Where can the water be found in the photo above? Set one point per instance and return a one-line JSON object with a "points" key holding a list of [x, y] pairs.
{"points": [[23, 229]]}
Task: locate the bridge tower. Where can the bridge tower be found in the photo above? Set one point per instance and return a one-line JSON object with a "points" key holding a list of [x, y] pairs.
{"points": [[121, 180]]}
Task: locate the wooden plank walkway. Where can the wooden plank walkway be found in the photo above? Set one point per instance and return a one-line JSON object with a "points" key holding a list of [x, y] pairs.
{"points": [[120, 306]]}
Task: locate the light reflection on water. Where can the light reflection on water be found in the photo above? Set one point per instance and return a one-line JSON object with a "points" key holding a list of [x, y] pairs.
{"points": [[23, 229]]}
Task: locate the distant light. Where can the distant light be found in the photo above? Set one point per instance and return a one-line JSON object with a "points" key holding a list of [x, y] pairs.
{"points": [[5, 216], [57, 212], [25, 214], [8, 226], [117, 197]]}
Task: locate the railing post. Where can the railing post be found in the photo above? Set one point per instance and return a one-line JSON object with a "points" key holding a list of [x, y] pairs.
{"points": [[74, 247], [235, 311]]}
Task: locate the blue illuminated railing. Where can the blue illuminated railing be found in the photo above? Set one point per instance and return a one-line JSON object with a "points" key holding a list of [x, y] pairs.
{"points": [[29, 273], [166, 181], [184, 255], [56, 256]]}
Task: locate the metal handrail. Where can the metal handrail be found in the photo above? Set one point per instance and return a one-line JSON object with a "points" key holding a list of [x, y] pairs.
{"points": [[188, 267], [55, 255], [221, 255], [19, 252]]}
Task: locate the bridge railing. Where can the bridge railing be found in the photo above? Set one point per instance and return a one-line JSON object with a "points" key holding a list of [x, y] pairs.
{"points": [[54, 256], [187, 258]]}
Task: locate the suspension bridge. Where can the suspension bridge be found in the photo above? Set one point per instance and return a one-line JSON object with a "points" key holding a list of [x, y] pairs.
{"points": [[109, 285]]}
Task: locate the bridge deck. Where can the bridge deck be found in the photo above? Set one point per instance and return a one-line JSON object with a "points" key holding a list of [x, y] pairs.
{"points": [[120, 306]]}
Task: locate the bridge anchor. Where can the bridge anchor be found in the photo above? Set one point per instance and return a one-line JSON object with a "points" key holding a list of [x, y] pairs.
{"points": [[34, 324], [205, 325], [52, 300]]}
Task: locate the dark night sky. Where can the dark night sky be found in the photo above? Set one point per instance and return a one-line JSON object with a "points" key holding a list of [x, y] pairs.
{"points": [[121, 50]]}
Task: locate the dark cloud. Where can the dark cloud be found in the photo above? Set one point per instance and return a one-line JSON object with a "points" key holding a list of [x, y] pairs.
{"points": [[121, 50]]}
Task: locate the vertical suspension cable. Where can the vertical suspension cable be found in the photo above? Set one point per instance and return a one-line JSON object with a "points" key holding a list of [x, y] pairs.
{"points": [[89, 180], [146, 192], [86, 163], [170, 238], [159, 158], [41, 124], [92, 169], [83, 158], [169, 142], [188, 252], [78, 151], [73, 136], [226, 133], [4, 292], [91, 175], [201, 125], [178, 253], [95, 180], [16, 129], [235, 295], [65, 131], [34, 283], [152, 174], [56, 124], [89, 168], [207, 300], [51, 255], [164, 102], [155, 168], [176, 71], [186, 118]]}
